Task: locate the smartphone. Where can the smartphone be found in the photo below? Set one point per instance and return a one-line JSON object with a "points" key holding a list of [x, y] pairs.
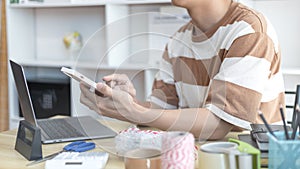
{"points": [[79, 77]]}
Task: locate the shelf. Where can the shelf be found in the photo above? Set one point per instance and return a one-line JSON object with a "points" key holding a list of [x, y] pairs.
{"points": [[291, 71], [46, 63], [137, 1], [55, 5], [129, 66], [86, 4], [84, 65]]}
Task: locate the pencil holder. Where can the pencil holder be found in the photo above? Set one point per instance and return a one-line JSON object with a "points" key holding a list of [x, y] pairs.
{"points": [[283, 154]]}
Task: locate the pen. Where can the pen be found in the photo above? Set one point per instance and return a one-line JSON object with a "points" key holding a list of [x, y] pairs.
{"points": [[265, 122], [297, 122], [284, 124], [298, 114]]}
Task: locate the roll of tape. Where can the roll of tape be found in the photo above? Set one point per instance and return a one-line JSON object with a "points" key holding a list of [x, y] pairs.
{"points": [[134, 138], [212, 156], [208, 160], [143, 159], [178, 150]]}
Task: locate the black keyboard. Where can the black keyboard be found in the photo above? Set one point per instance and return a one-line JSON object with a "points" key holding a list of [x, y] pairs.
{"points": [[58, 129]]}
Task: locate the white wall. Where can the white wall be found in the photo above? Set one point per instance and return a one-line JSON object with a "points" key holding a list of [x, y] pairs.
{"points": [[285, 17]]}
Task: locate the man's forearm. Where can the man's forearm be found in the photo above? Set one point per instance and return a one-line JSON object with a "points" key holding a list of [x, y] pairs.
{"points": [[148, 104], [200, 122]]}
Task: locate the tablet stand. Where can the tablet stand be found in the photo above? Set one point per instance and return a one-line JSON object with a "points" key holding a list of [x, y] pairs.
{"points": [[28, 141]]}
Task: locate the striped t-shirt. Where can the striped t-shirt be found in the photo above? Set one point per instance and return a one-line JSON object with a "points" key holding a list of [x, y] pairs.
{"points": [[233, 69]]}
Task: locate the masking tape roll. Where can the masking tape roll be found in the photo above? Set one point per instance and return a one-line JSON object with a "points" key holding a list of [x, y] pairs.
{"points": [[208, 160], [178, 150], [213, 155], [143, 159], [134, 138]]}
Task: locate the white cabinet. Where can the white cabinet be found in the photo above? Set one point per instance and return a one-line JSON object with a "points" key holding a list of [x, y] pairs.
{"points": [[115, 36]]}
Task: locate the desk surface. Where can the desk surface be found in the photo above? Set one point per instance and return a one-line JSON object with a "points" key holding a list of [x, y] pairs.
{"points": [[11, 159]]}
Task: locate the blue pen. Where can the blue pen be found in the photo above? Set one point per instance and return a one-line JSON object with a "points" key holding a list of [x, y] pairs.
{"points": [[284, 124], [297, 122], [298, 113], [266, 124]]}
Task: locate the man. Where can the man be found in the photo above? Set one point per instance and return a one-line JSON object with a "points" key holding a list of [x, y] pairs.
{"points": [[217, 71]]}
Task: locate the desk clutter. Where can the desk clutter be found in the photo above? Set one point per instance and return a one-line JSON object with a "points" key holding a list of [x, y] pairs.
{"points": [[259, 139], [147, 149], [279, 144], [77, 146], [260, 136], [234, 154], [284, 146]]}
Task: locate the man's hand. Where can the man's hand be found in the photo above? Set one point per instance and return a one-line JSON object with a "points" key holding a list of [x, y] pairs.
{"points": [[116, 102], [120, 81]]}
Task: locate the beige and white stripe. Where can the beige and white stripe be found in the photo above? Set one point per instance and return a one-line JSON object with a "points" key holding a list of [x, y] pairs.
{"points": [[240, 55]]}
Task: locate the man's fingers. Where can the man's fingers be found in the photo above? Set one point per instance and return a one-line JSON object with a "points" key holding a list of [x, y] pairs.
{"points": [[87, 93], [108, 77], [84, 100], [83, 88], [131, 91], [120, 81], [104, 89], [118, 78], [111, 84]]}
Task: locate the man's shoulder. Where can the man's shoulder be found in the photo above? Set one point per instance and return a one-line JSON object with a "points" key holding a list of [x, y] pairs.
{"points": [[256, 19]]}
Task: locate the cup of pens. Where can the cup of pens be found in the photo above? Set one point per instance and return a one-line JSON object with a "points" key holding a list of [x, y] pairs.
{"points": [[284, 146], [283, 153]]}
